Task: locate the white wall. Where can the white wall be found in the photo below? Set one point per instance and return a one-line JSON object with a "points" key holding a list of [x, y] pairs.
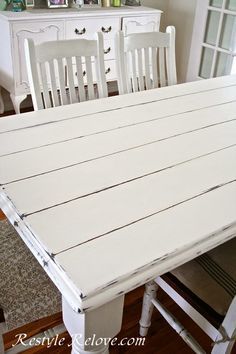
{"points": [[179, 13], [161, 5]]}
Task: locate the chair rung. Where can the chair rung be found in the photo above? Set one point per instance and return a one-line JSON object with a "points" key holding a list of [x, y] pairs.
{"points": [[202, 322], [178, 327]]}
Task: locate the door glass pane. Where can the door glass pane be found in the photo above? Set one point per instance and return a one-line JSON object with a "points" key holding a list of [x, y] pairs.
{"points": [[223, 64], [212, 27], [206, 63], [216, 3], [228, 34], [231, 5]]}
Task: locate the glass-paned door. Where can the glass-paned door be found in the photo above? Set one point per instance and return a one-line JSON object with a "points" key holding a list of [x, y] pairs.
{"points": [[213, 50]]}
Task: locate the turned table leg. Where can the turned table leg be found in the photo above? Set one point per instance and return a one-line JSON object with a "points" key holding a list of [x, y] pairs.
{"points": [[92, 330]]}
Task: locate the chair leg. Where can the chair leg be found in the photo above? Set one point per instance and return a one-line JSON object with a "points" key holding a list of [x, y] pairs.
{"points": [[224, 343], [147, 308]]}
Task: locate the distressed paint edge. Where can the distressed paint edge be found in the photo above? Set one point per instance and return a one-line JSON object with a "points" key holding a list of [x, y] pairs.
{"points": [[128, 283], [53, 270], [81, 303]]}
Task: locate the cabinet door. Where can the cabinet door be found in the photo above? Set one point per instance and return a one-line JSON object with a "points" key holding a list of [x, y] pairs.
{"points": [[86, 28], [39, 32], [141, 24]]}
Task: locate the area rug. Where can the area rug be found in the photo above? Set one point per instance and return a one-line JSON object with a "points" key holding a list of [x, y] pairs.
{"points": [[26, 292]]}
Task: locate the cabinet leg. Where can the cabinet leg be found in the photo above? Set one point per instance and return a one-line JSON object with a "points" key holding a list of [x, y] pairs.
{"points": [[1, 102], [16, 101], [92, 331]]}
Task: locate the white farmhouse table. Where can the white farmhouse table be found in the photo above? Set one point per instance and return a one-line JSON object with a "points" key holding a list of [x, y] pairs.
{"points": [[109, 194]]}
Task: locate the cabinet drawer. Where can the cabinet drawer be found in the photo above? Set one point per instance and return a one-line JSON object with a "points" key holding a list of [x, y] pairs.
{"points": [[87, 28], [109, 49], [110, 68], [141, 24], [109, 52]]}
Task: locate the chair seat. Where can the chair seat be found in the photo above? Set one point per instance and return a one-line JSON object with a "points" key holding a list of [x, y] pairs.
{"points": [[212, 276], [26, 292]]}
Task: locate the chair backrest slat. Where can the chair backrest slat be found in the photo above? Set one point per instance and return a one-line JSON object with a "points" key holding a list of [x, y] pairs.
{"points": [[71, 83], [59, 78], [45, 89], [155, 77], [145, 60], [54, 91], [148, 81], [89, 75], [140, 69], [133, 63], [62, 81], [80, 79], [128, 69], [162, 67], [100, 67]]}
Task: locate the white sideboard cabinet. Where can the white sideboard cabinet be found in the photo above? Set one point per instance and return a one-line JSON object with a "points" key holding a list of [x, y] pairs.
{"points": [[46, 24]]}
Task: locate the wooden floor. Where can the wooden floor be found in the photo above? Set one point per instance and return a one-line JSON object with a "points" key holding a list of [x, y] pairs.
{"points": [[161, 338]]}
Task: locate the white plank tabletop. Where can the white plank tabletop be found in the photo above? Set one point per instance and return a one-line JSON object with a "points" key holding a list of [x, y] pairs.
{"points": [[111, 193]]}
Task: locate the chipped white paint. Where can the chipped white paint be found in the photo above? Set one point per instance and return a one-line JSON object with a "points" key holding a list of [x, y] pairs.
{"points": [[88, 197]]}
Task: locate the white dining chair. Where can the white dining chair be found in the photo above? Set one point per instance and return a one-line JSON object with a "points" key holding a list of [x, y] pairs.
{"points": [[145, 60], [211, 278], [65, 71]]}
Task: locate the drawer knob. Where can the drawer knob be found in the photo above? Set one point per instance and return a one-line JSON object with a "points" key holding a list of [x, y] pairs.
{"points": [[106, 51], [80, 32], [108, 71], [106, 30], [84, 73]]}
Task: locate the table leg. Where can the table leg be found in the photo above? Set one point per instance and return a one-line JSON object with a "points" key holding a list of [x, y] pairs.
{"points": [[92, 331]]}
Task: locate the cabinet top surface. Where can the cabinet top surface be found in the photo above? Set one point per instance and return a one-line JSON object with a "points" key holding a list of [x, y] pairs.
{"points": [[73, 12]]}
